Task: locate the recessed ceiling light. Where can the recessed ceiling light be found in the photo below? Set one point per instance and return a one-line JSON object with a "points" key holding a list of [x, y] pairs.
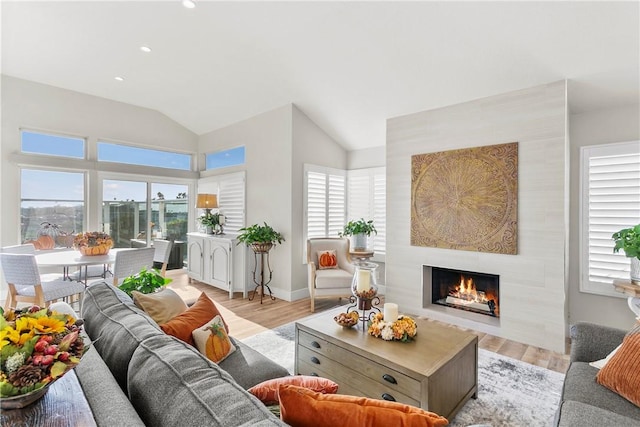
{"points": [[145, 49], [189, 4], [120, 79]]}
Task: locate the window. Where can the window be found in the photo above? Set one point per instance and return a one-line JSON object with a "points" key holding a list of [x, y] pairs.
{"points": [[52, 145], [116, 153], [367, 199], [225, 158], [51, 197], [325, 197], [230, 189], [610, 201]]}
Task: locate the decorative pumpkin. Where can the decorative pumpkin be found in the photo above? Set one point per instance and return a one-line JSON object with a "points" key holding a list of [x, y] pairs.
{"points": [[218, 344], [327, 259], [46, 242]]}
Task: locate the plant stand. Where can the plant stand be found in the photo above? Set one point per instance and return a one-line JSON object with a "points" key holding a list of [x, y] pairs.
{"points": [[261, 284]]}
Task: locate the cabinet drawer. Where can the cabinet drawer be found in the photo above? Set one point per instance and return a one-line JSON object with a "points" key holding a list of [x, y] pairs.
{"points": [[385, 376], [347, 378]]}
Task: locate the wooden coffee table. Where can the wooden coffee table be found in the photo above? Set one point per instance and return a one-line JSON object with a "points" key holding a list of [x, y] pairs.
{"points": [[438, 371]]}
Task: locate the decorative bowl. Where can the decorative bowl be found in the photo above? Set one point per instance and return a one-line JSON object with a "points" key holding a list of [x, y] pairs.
{"points": [[17, 402], [94, 250], [347, 320]]}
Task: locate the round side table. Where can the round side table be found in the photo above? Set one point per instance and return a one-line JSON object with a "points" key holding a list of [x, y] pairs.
{"points": [[362, 257]]}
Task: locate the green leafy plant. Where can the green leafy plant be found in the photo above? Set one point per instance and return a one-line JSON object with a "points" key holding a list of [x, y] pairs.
{"points": [[146, 282], [360, 226], [628, 239], [259, 234], [210, 220]]}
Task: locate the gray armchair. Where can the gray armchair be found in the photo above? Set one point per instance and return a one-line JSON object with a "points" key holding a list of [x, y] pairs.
{"points": [[334, 282]]}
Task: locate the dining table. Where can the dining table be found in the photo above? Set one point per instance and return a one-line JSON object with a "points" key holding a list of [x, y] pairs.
{"points": [[72, 259]]}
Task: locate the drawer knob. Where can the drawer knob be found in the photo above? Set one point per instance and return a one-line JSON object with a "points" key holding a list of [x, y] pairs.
{"points": [[315, 360], [313, 374], [389, 378], [315, 344], [387, 396]]}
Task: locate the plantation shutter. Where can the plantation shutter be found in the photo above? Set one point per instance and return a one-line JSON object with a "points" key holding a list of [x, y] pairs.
{"points": [[367, 200], [610, 202], [230, 189], [325, 200]]}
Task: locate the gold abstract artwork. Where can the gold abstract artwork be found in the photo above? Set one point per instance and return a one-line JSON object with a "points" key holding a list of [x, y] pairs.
{"points": [[466, 199]]}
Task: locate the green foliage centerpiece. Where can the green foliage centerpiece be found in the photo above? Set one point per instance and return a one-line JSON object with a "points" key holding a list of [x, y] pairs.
{"points": [[146, 282]]}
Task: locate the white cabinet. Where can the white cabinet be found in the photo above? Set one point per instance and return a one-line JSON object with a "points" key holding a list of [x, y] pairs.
{"points": [[217, 260]]}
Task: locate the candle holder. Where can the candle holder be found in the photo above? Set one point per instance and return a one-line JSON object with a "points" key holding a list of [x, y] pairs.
{"points": [[364, 291]]}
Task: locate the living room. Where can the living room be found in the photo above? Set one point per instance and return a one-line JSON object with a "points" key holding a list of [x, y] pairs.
{"points": [[552, 77]]}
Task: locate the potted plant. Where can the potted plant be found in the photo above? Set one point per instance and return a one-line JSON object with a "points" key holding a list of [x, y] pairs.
{"points": [[628, 239], [261, 238], [210, 221], [359, 230], [146, 282]]}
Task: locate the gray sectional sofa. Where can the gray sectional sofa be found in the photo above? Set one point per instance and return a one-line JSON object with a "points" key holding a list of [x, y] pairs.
{"points": [[135, 375], [585, 403]]}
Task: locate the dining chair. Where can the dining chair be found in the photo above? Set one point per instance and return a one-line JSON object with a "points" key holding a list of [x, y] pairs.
{"points": [[26, 285], [27, 248], [334, 282], [130, 261], [162, 253]]}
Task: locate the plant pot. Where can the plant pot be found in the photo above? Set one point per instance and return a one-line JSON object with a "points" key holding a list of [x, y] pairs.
{"points": [[359, 242], [635, 270], [261, 247]]}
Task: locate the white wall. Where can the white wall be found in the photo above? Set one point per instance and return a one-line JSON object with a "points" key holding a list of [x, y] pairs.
{"points": [[278, 143], [310, 145], [597, 127], [367, 158], [532, 283]]}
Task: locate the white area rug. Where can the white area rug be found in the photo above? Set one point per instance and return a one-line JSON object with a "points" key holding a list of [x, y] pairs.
{"points": [[511, 393]]}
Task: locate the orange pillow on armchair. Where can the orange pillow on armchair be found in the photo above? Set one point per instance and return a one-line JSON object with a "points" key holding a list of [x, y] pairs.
{"points": [[300, 407]]}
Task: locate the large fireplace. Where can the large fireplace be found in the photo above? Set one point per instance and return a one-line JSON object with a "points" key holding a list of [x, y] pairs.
{"points": [[466, 290]]}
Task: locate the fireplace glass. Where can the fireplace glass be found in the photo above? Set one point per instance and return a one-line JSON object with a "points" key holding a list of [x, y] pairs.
{"points": [[466, 290]]}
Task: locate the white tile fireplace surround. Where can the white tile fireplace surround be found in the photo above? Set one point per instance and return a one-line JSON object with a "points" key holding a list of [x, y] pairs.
{"points": [[533, 283]]}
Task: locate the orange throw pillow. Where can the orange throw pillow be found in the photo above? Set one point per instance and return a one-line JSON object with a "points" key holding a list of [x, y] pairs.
{"points": [[197, 315], [621, 374], [327, 259], [300, 407], [267, 391]]}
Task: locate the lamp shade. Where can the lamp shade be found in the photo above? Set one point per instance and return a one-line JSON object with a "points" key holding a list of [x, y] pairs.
{"points": [[207, 201]]}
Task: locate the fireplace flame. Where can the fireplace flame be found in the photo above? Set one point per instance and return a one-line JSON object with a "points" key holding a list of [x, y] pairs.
{"points": [[466, 291]]}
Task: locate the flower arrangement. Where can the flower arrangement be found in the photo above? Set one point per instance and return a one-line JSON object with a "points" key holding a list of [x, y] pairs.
{"points": [[403, 329], [37, 346], [92, 243]]}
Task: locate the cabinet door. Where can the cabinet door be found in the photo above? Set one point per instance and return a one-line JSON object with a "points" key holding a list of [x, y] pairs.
{"points": [[195, 253], [219, 264]]}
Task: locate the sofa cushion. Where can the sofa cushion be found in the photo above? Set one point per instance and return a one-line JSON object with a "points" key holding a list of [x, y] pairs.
{"points": [[580, 385], [212, 341], [161, 306], [97, 382], [573, 414], [248, 367], [622, 373], [171, 384], [116, 327], [267, 391], [197, 315], [333, 278], [300, 407]]}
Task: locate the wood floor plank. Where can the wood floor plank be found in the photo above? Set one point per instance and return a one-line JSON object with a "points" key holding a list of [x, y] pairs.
{"points": [[247, 318]]}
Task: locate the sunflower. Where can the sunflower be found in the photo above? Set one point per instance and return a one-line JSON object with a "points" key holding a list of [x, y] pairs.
{"points": [[49, 325]]}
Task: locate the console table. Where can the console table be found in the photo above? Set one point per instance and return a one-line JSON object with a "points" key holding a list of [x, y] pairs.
{"points": [[63, 405]]}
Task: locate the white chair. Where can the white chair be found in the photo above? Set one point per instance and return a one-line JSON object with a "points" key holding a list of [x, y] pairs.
{"points": [[27, 248], [130, 261], [25, 284], [334, 282], [162, 253]]}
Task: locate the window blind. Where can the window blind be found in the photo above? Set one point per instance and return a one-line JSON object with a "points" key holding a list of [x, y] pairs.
{"points": [[610, 202], [367, 199], [325, 200]]}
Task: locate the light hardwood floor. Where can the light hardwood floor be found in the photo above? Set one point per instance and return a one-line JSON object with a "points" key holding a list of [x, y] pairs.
{"points": [[246, 318]]}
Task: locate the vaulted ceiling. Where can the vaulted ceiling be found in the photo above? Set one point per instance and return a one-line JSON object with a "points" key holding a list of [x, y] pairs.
{"points": [[348, 65]]}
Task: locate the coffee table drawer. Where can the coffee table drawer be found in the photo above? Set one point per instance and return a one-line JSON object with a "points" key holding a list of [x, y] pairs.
{"points": [[384, 375], [350, 381]]}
